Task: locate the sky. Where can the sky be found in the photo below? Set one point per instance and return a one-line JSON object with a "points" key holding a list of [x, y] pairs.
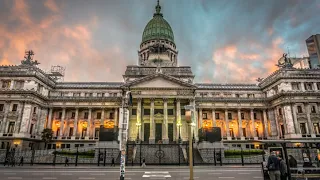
{"points": [[224, 41]]}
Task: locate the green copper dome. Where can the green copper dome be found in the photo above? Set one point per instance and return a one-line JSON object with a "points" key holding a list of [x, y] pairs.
{"points": [[157, 28]]}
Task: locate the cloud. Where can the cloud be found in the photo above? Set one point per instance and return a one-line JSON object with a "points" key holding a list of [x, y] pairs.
{"points": [[223, 41]]}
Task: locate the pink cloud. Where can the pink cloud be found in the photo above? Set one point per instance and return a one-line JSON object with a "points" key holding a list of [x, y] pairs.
{"points": [[51, 5]]}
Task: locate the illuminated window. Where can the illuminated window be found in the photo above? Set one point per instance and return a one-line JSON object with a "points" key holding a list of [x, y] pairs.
{"points": [[299, 109], [15, 107], [217, 116]]}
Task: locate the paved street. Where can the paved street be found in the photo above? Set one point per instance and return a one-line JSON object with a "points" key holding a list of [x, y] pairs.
{"points": [[202, 173]]}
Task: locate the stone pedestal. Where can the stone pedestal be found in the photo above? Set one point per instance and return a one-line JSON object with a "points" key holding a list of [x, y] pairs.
{"points": [[152, 141], [243, 138], [255, 138]]}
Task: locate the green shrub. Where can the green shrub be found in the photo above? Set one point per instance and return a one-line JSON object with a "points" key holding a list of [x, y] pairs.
{"points": [[90, 153], [244, 152]]}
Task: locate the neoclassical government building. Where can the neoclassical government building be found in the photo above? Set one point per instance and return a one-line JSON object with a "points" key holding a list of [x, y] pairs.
{"points": [[284, 105]]}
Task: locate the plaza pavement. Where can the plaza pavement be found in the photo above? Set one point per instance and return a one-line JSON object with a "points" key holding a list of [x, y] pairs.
{"points": [[60, 172]]}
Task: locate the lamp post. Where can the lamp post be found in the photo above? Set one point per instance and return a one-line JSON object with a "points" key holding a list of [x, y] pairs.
{"points": [[179, 126], [189, 110]]}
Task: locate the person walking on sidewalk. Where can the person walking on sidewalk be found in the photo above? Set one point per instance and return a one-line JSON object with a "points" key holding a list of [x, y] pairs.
{"points": [[66, 162], [21, 161], [112, 162], [144, 163], [283, 169], [273, 167]]}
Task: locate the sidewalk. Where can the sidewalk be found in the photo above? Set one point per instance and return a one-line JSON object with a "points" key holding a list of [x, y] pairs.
{"points": [[72, 166]]}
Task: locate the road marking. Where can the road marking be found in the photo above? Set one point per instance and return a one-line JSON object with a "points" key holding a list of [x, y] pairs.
{"points": [[157, 172], [14, 177], [244, 173], [226, 177], [9, 173], [49, 178], [157, 178], [98, 174], [257, 177], [189, 178], [66, 174], [156, 175], [214, 173], [87, 178]]}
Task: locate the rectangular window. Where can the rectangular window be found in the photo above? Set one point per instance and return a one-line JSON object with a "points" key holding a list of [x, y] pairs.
{"points": [[303, 128], [70, 131], [244, 132], [31, 128], [158, 111], [60, 115], [229, 116], [34, 110], [299, 108], [63, 146], [15, 107], [73, 115], [6, 84], [280, 111], [313, 109], [318, 86], [96, 132], [98, 115], [254, 115], [237, 95], [308, 86], [86, 115], [316, 128], [170, 112], [242, 115], [134, 112], [1, 107], [183, 112], [111, 115], [68, 145], [295, 86], [217, 116], [147, 112], [204, 116], [11, 127]]}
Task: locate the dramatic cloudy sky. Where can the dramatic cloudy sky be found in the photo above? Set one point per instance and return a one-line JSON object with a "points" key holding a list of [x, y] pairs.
{"points": [[223, 40]]}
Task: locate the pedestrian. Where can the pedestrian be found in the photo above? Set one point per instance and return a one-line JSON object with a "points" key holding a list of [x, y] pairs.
{"points": [[143, 163], [283, 169], [13, 162], [66, 162], [112, 162], [293, 164], [21, 161], [273, 167], [6, 161]]}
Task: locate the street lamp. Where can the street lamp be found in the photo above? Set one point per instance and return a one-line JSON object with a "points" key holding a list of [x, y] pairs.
{"points": [[179, 125], [189, 120]]}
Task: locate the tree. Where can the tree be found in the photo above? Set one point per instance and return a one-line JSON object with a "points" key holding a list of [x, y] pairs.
{"points": [[46, 136]]}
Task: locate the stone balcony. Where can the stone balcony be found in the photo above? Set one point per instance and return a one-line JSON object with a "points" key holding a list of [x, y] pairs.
{"points": [[13, 114]]}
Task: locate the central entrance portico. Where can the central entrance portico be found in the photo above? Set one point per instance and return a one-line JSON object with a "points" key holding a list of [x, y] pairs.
{"points": [[158, 102]]}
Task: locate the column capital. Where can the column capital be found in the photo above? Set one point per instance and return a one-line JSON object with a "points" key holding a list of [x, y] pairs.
{"points": [[165, 99], [139, 99], [178, 99], [152, 99]]}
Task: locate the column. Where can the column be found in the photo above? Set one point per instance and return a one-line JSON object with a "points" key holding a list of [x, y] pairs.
{"points": [[102, 117], [227, 123], [62, 122], [138, 124], [214, 121], [200, 118], [165, 138], [116, 116], [18, 125], [302, 86], [240, 124], [49, 125], [178, 119], [4, 122], [152, 124], [253, 130], [75, 123], [89, 131], [12, 84], [310, 125], [295, 119], [265, 123], [315, 86]]}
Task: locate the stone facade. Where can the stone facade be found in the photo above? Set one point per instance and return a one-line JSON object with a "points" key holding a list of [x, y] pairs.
{"points": [[284, 105]]}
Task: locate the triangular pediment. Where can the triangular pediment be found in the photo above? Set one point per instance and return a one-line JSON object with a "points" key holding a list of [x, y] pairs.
{"points": [[159, 81]]}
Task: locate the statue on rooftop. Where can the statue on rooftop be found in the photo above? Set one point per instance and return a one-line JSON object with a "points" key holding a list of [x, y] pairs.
{"points": [[28, 59]]}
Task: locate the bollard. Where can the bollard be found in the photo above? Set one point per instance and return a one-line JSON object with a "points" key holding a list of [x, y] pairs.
{"points": [[76, 163], [242, 162]]}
